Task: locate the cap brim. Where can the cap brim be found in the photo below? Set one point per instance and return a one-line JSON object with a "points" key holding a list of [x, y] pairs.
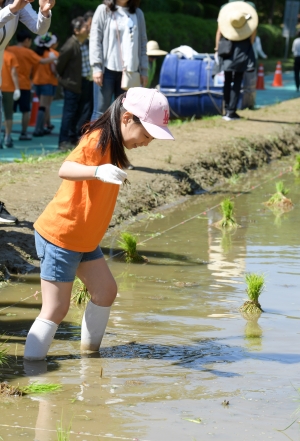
{"points": [[157, 132], [156, 52]]}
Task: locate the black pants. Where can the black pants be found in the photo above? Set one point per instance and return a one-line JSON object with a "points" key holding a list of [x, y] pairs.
{"points": [[77, 111], [232, 89], [297, 71]]}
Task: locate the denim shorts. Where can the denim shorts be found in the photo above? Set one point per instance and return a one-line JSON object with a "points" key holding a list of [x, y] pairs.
{"points": [[59, 264], [45, 89]]}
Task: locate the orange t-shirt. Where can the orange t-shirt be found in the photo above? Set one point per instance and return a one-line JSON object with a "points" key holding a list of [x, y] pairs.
{"points": [[27, 58], [54, 77], [9, 61], [42, 73], [79, 214]]}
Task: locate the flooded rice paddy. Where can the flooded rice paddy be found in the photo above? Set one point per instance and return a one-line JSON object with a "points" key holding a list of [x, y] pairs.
{"points": [[178, 361]]}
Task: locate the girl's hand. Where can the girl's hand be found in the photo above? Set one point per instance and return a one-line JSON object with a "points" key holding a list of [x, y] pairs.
{"points": [[46, 6], [111, 174], [17, 5]]}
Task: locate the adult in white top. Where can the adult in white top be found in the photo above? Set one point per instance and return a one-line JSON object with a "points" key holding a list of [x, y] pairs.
{"points": [[118, 40], [296, 53], [257, 47]]}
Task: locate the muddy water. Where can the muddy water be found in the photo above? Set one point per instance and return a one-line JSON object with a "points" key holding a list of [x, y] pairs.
{"points": [[176, 346]]}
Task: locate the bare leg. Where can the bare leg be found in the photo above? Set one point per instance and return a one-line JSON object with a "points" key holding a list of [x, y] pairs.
{"points": [[56, 300]]}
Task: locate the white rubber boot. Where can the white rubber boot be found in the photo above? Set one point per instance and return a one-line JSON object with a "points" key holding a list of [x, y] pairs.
{"points": [[93, 326], [39, 339]]}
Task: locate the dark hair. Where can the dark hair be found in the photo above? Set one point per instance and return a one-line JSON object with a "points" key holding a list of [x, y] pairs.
{"points": [[131, 4], [110, 125], [88, 15], [23, 34], [40, 50], [298, 34], [77, 23]]}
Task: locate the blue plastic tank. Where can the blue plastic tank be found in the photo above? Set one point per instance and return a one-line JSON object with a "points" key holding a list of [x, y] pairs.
{"points": [[189, 87]]}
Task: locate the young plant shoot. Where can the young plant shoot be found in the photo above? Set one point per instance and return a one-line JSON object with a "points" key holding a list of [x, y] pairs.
{"points": [[128, 244], [227, 220], [3, 356], [279, 199], [255, 286], [80, 294], [296, 167]]}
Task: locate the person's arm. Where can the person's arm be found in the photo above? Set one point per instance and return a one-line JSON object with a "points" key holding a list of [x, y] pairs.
{"points": [[259, 48], [14, 76], [38, 23], [9, 12], [218, 36], [252, 37], [96, 46], [143, 45], [65, 54], [73, 171]]}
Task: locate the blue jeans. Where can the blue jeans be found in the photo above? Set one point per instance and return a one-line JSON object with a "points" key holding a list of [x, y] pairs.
{"points": [[104, 95]]}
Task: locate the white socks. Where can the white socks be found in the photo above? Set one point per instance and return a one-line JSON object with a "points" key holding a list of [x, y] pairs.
{"points": [[39, 339], [93, 326]]}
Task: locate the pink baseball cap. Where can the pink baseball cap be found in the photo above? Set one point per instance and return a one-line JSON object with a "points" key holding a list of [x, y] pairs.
{"points": [[152, 108]]}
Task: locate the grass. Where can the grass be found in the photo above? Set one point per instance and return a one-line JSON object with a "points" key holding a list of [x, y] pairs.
{"points": [[128, 244], [296, 167], [227, 220], [4, 358], [33, 159], [80, 294], [255, 286], [270, 64]]}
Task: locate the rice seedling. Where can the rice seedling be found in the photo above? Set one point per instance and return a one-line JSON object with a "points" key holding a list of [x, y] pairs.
{"points": [[62, 433], [227, 220], [80, 294], [296, 167], [255, 286], [128, 244], [40, 388], [279, 199], [4, 358]]}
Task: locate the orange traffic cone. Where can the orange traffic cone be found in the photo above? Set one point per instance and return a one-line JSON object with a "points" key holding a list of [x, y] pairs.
{"points": [[277, 82], [34, 110], [260, 83]]}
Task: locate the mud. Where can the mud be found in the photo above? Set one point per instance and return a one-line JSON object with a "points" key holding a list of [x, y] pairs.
{"points": [[204, 155]]}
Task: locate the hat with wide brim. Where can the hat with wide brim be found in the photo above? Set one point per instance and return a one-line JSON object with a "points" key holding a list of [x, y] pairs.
{"points": [[237, 21], [153, 49], [46, 40]]}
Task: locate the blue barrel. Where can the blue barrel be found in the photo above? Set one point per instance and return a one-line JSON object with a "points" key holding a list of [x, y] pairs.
{"points": [[189, 87]]}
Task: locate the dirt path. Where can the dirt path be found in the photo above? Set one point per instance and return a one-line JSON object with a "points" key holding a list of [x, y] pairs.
{"points": [[204, 152]]}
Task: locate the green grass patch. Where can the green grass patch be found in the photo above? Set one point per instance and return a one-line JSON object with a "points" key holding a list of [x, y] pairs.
{"points": [[63, 434], [40, 388], [296, 166], [33, 159], [270, 64], [4, 358]]}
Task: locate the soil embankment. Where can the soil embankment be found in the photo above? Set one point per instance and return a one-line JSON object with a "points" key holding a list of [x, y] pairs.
{"points": [[204, 153]]}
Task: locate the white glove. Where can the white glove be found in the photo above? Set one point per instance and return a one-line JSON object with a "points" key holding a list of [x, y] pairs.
{"points": [[16, 94], [111, 174]]}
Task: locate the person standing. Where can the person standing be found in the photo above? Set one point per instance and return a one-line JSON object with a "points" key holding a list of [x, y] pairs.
{"points": [[296, 53], [236, 32], [71, 227], [153, 52], [43, 77], [110, 54], [73, 69], [10, 92], [27, 59], [11, 12]]}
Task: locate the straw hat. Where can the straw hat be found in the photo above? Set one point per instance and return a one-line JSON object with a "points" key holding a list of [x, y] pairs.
{"points": [[153, 49], [237, 20]]}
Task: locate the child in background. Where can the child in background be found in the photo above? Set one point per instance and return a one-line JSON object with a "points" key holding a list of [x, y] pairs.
{"points": [[43, 79], [10, 92], [153, 52], [27, 59]]}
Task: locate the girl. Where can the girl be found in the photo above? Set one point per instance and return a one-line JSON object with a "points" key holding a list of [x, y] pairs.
{"points": [[71, 227]]}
